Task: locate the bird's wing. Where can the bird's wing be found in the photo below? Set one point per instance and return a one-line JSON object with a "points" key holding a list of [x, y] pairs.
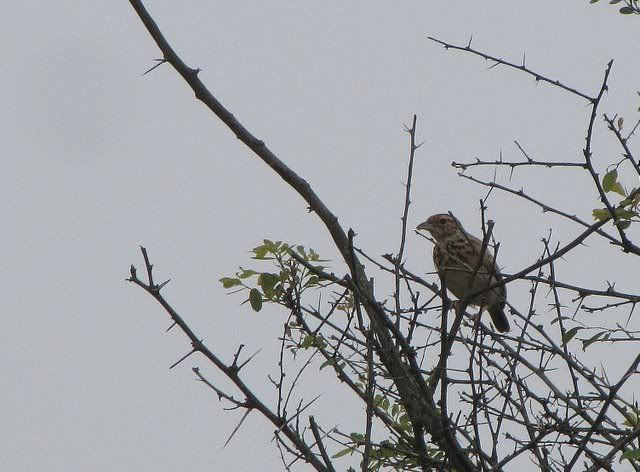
{"points": [[488, 263], [437, 257]]}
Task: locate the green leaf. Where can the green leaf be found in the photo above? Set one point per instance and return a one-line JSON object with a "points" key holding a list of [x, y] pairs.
{"points": [[601, 214], [228, 282], [255, 298], [307, 342], [626, 10], [613, 2], [377, 399], [633, 419], [330, 362], [609, 179], [634, 454], [588, 342], [435, 453], [311, 281], [623, 224], [405, 423], [625, 214], [568, 336], [619, 189], [386, 452], [260, 252], [631, 200], [344, 452], [284, 275], [268, 283], [594, 1], [246, 273]]}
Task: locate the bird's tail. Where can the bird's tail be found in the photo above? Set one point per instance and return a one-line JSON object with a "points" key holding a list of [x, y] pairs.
{"points": [[499, 319]]}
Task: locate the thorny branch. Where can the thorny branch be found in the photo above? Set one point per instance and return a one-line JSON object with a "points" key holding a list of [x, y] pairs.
{"points": [[231, 371], [523, 396], [417, 398]]}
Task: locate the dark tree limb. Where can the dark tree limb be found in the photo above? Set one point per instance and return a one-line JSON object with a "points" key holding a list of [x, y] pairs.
{"points": [[415, 393], [231, 371]]}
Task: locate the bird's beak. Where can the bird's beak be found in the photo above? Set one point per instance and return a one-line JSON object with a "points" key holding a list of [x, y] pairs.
{"points": [[425, 226]]}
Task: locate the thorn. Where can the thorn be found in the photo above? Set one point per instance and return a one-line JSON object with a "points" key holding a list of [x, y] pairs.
{"points": [[246, 413], [159, 63], [159, 287], [195, 348], [249, 360], [172, 325]]}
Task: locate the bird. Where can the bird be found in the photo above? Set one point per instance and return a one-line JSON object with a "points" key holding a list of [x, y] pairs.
{"points": [[455, 257]]}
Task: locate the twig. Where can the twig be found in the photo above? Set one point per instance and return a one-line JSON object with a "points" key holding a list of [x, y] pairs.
{"points": [[522, 67]]}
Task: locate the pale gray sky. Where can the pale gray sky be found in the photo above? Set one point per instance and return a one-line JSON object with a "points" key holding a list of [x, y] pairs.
{"points": [[97, 160]]}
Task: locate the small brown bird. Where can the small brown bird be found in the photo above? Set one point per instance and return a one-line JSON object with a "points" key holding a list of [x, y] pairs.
{"points": [[455, 257]]}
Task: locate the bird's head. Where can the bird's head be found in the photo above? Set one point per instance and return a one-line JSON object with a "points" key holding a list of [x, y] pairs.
{"points": [[441, 226]]}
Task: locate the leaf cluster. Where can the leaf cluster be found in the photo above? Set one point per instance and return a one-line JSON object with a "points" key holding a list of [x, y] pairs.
{"points": [[630, 7], [627, 210], [288, 275]]}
